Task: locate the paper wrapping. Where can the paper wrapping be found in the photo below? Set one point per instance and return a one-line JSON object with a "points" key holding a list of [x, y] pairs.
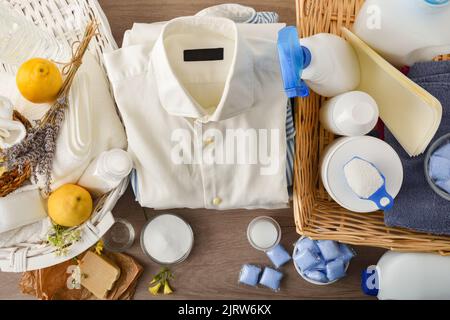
{"points": [[51, 283]]}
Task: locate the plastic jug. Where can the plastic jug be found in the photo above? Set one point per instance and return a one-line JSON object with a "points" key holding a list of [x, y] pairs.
{"points": [[405, 31], [325, 63], [408, 276]]}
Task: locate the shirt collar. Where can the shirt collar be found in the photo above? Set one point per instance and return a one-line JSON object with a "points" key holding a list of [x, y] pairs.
{"points": [[238, 94]]}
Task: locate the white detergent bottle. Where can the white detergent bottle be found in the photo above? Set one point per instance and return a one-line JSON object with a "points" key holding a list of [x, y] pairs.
{"points": [[106, 172], [405, 31], [408, 276], [325, 63]]}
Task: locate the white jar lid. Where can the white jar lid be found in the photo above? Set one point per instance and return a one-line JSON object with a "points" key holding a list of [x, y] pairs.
{"points": [[374, 150], [356, 113], [118, 162]]}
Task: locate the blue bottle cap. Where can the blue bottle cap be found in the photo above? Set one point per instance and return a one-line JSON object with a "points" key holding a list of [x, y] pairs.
{"points": [[437, 2], [369, 281], [293, 59]]}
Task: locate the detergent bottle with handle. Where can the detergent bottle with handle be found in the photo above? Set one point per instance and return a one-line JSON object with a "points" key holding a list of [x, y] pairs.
{"points": [[408, 276], [325, 63], [405, 31]]}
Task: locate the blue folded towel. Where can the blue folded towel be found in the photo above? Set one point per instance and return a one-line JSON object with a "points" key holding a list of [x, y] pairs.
{"points": [[417, 206]]}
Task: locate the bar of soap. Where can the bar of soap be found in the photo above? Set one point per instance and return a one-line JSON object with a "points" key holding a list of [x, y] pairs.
{"points": [[99, 274]]}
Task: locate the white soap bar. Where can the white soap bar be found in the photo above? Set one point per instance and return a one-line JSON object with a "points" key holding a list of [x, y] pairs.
{"points": [[411, 113], [20, 209]]}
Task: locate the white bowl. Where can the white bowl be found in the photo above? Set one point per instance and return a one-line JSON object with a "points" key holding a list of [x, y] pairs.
{"points": [[308, 279]]}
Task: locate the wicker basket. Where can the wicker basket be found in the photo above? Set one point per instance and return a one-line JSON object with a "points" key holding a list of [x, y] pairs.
{"points": [[316, 215], [60, 17]]}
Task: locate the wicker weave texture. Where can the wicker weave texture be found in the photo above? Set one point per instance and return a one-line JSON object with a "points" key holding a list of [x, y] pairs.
{"points": [[316, 215], [67, 20]]}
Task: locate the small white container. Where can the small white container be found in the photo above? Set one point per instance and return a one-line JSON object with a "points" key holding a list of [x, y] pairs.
{"points": [[106, 172], [264, 233], [350, 114], [341, 151]]}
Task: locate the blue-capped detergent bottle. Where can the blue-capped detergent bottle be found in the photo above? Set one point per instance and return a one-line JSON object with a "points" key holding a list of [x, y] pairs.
{"points": [[324, 63], [405, 31], [408, 276]]}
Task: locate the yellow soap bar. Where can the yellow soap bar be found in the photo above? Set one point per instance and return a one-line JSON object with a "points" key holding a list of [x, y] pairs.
{"points": [[98, 274]]}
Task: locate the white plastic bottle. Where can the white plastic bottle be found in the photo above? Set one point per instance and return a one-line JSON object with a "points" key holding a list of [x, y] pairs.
{"points": [[106, 171], [333, 67], [408, 276], [405, 31]]}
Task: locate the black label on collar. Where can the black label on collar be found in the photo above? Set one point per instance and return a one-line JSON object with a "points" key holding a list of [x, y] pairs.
{"points": [[212, 54]]}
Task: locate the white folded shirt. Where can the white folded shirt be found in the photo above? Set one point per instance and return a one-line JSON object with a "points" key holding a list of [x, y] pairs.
{"points": [[160, 95]]}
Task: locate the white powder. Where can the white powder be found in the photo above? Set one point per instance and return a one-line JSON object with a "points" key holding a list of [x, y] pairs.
{"points": [[362, 177], [167, 238], [264, 234]]}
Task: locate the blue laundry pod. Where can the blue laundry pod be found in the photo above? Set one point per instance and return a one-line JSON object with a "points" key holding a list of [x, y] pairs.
{"points": [[329, 249], [307, 243], [316, 275], [271, 278], [347, 253], [439, 168], [249, 275], [306, 260], [278, 255], [335, 270]]}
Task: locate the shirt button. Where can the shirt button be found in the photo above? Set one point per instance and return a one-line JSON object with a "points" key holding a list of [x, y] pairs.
{"points": [[209, 141], [217, 201]]}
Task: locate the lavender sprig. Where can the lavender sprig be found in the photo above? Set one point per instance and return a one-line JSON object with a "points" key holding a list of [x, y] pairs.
{"points": [[37, 149]]}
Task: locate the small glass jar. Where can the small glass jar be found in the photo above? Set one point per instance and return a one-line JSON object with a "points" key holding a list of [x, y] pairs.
{"points": [[120, 237], [267, 226], [445, 139]]}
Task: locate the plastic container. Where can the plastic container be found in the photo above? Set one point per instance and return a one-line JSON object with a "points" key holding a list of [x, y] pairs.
{"points": [[408, 276], [264, 233], [21, 40], [106, 172], [341, 151], [324, 62], [445, 139], [353, 113], [405, 31]]}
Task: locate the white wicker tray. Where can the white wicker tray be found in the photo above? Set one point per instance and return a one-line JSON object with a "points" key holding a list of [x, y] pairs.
{"points": [[62, 18]]}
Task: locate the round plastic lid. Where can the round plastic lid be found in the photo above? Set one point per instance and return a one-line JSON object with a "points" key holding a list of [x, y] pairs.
{"points": [[437, 2], [356, 114], [374, 150]]}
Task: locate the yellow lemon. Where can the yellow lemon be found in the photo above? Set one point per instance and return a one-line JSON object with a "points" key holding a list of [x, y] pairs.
{"points": [[39, 80], [70, 205]]}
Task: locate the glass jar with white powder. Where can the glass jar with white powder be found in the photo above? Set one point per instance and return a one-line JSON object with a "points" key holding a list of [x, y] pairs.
{"points": [[167, 239]]}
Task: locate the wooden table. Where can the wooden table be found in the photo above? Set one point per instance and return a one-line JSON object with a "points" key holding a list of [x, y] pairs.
{"points": [[221, 246]]}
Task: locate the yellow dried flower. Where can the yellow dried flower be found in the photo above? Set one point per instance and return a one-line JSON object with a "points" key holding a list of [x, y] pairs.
{"points": [[154, 290], [167, 288], [99, 247]]}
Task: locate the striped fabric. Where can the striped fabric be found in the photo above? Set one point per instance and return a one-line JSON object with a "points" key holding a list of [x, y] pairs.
{"points": [[264, 17], [272, 17], [290, 136]]}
